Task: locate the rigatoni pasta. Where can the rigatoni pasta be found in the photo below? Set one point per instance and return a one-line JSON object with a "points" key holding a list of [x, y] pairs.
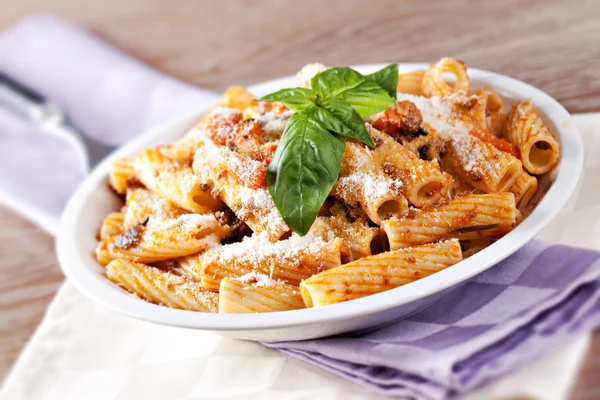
{"points": [[231, 175], [161, 287], [524, 188], [175, 181], [482, 165], [363, 182], [463, 218], [525, 129], [112, 225], [183, 150], [142, 204], [434, 83], [363, 239], [410, 82], [122, 175], [375, 274], [422, 181], [495, 117], [162, 240], [290, 260], [445, 174], [254, 293]]}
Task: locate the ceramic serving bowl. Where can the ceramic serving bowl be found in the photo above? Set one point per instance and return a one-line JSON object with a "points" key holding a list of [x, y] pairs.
{"points": [[92, 201]]}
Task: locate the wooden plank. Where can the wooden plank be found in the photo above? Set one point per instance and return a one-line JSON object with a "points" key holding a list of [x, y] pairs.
{"points": [[549, 44], [29, 278]]}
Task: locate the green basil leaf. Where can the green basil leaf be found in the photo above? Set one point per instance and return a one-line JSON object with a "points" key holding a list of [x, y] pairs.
{"points": [[387, 78], [336, 80], [304, 169], [296, 99], [338, 116], [367, 98]]}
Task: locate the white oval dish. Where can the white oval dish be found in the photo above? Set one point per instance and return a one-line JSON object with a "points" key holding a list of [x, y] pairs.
{"points": [[92, 201]]}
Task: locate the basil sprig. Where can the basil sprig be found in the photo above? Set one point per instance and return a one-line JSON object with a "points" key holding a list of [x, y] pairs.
{"points": [[307, 161]]}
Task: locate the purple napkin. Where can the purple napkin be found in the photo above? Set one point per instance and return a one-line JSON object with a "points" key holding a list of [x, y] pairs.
{"points": [[108, 95], [535, 301], [531, 303]]}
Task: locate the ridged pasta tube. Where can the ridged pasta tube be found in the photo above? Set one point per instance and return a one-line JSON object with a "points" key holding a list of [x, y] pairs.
{"points": [[175, 181], [122, 174], [410, 82], [524, 188], [216, 165], [257, 293], [363, 181], [161, 287], [423, 181], [434, 84], [143, 204], [187, 234], [112, 225], [290, 260], [378, 273], [525, 129], [481, 164], [463, 218]]}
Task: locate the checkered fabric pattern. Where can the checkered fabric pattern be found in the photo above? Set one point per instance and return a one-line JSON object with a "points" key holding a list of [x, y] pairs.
{"points": [[513, 312]]}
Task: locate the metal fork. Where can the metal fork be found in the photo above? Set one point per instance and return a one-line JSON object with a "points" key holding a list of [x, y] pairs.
{"points": [[50, 119]]}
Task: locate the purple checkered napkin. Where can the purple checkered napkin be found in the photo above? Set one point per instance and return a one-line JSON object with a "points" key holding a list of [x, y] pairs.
{"points": [[528, 305]]}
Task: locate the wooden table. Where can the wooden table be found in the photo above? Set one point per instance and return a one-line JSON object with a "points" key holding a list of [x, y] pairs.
{"points": [[553, 45]]}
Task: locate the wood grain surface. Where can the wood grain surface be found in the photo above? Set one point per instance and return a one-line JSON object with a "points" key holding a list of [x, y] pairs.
{"points": [[554, 45]]}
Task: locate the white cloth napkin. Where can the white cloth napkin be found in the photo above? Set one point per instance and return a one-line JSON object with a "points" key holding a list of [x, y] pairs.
{"points": [[83, 351]]}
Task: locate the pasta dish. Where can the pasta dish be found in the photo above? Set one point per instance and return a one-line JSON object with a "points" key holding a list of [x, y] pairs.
{"points": [[346, 186]]}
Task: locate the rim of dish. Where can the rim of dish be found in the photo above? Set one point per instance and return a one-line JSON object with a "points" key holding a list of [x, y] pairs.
{"points": [[82, 270]]}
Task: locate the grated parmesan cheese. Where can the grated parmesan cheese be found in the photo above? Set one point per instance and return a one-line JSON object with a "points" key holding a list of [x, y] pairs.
{"points": [[246, 168], [186, 221], [158, 206], [373, 187], [225, 112], [307, 72], [258, 247], [259, 202], [258, 280], [438, 115], [360, 178], [273, 124], [248, 202]]}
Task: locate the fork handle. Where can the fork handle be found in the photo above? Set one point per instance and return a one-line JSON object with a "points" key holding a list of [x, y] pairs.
{"points": [[27, 104], [21, 100]]}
